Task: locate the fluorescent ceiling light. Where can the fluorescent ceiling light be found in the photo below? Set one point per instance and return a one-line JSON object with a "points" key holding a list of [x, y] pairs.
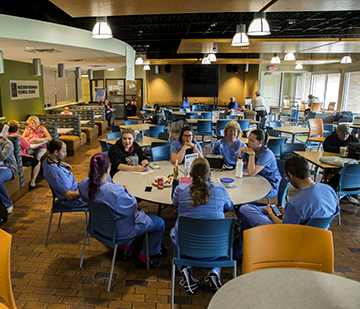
{"points": [[346, 59], [205, 60], [289, 57], [212, 57], [259, 25], [275, 59], [240, 38], [146, 67], [111, 69], [299, 66], [102, 30]]}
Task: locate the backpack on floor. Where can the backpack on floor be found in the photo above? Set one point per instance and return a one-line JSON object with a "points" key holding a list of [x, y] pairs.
{"points": [[3, 213]]}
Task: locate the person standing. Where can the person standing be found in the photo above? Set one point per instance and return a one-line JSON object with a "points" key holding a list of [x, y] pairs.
{"points": [[260, 108]]}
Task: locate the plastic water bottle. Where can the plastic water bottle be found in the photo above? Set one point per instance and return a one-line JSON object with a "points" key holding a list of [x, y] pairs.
{"points": [[239, 168], [135, 160]]}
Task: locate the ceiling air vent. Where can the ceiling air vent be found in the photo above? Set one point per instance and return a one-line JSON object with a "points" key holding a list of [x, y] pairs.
{"points": [[42, 51]]}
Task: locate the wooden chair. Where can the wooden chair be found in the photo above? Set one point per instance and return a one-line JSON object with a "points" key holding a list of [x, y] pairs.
{"points": [[331, 106], [316, 107], [316, 131], [5, 276], [288, 246]]}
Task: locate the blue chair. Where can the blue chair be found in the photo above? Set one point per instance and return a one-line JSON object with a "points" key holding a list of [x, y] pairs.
{"points": [[164, 136], [274, 124], [181, 109], [115, 128], [204, 128], [157, 144], [130, 122], [349, 182], [273, 133], [210, 107], [188, 115], [287, 149], [328, 129], [102, 227], [113, 135], [104, 146], [58, 206], [146, 107], [323, 223], [203, 238], [170, 119], [244, 124], [220, 126], [160, 153], [274, 145], [281, 166], [154, 131], [206, 115], [233, 117], [195, 116]]}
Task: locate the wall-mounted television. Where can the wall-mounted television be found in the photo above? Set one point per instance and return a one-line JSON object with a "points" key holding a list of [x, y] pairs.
{"points": [[201, 80]]}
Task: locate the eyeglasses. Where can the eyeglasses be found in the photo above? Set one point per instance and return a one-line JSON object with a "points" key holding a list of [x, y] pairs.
{"points": [[190, 135]]}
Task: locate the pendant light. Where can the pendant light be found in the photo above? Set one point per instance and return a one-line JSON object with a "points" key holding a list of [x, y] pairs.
{"points": [[346, 59], [146, 67], [289, 57], [212, 57], [102, 30], [240, 38], [36, 67], [259, 25], [299, 66], [275, 59], [90, 74], [205, 61], [139, 60]]}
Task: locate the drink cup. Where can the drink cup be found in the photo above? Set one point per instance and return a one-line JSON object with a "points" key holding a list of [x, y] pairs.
{"points": [[160, 182], [343, 151]]}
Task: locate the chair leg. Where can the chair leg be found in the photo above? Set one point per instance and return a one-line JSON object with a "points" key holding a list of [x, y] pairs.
{"points": [[235, 271], [339, 208], [172, 284], [147, 250], [86, 217], [112, 267], [60, 219], [83, 250], [48, 232]]}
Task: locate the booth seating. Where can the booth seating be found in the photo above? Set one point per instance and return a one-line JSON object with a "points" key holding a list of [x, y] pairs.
{"points": [[98, 110], [91, 130]]}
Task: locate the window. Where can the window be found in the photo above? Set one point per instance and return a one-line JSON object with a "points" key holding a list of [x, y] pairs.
{"points": [[352, 92], [326, 87]]}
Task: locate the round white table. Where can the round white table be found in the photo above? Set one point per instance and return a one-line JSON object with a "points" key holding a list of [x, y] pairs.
{"points": [[246, 189], [288, 288]]}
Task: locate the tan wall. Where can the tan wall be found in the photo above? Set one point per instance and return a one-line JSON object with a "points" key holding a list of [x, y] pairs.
{"points": [[251, 83], [231, 85]]}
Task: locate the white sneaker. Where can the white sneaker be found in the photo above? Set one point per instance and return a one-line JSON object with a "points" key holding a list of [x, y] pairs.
{"points": [[214, 278], [10, 209]]}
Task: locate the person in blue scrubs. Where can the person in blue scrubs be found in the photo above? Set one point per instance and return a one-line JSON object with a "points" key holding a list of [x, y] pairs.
{"points": [[185, 103], [260, 160], [59, 176], [130, 220], [315, 200], [232, 106], [186, 144], [202, 200], [230, 145]]}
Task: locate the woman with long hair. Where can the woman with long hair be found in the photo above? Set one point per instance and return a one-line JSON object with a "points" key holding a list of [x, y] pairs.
{"points": [[130, 220], [260, 160], [204, 200]]}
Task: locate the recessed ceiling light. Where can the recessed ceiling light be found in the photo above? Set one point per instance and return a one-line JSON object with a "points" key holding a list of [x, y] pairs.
{"points": [[166, 62], [111, 69], [28, 47]]}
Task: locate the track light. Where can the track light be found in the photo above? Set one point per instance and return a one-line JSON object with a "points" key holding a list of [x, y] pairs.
{"points": [[212, 57], [146, 67], [205, 61], [346, 59], [240, 38], [299, 66], [259, 25], [139, 60]]}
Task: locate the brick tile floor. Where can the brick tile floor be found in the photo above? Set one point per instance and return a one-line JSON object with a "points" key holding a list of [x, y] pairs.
{"points": [[50, 278]]}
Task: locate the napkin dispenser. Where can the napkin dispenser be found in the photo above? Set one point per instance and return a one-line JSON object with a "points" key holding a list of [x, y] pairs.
{"points": [[215, 161]]}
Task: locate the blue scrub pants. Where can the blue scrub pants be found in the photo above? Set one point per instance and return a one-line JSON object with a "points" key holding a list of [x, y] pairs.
{"points": [[155, 231], [5, 175]]}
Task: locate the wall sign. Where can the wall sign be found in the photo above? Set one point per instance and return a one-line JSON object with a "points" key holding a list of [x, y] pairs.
{"points": [[24, 89]]}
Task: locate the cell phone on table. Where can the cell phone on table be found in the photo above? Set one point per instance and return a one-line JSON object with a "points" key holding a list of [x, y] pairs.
{"points": [[276, 210], [148, 189]]}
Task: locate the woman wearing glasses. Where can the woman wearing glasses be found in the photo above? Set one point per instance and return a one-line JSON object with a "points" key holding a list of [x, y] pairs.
{"points": [[186, 144]]}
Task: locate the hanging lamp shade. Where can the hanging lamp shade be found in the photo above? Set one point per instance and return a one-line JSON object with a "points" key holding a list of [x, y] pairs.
{"points": [[240, 38], [212, 57], [346, 59], [299, 66], [205, 61], [36, 67], [146, 67], [61, 70], [275, 59], [90, 74], [139, 60], [102, 30], [259, 25], [289, 57], [78, 73]]}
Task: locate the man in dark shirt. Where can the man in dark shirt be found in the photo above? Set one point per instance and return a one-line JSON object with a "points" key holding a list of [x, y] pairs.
{"points": [[340, 138]]}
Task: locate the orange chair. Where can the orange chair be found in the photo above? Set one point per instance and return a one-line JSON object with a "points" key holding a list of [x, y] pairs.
{"points": [[316, 107], [331, 106], [288, 246], [316, 131], [5, 279]]}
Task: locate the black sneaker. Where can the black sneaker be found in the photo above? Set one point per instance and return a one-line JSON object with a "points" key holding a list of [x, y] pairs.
{"points": [[140, 264], [188, 282], [214, 279]]}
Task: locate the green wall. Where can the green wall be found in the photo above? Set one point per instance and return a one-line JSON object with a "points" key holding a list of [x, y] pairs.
{"points": [[19, 109]]}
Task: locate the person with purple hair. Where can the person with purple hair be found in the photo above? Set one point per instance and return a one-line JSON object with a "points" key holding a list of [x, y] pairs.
{"points": [[130, 220]]}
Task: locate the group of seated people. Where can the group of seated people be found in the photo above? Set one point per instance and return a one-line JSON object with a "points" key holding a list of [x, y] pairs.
{"points": [[198, 199]]}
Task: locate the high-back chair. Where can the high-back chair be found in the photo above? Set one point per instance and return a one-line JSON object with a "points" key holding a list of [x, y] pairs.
{"points": [[349, 182], [154, 131], [113, 135], [206, 115], [274, 145], [203, 238], [323, 223], [244, 124], [220, 126], [287, 246], [5, 275], [115, 128], [204, 128], [102, 227], [160, 153], [316, 131], [104, 146], [331, 106], [59, 206], [316, 107], [287, 149]]}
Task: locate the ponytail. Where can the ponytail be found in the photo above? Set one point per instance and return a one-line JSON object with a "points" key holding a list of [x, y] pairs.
{"points": [[199, 190], [98, 165]]}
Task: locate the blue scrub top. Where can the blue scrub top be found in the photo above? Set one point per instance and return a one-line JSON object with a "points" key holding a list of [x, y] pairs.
{"points": [[230, 154], [184, 104]]}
